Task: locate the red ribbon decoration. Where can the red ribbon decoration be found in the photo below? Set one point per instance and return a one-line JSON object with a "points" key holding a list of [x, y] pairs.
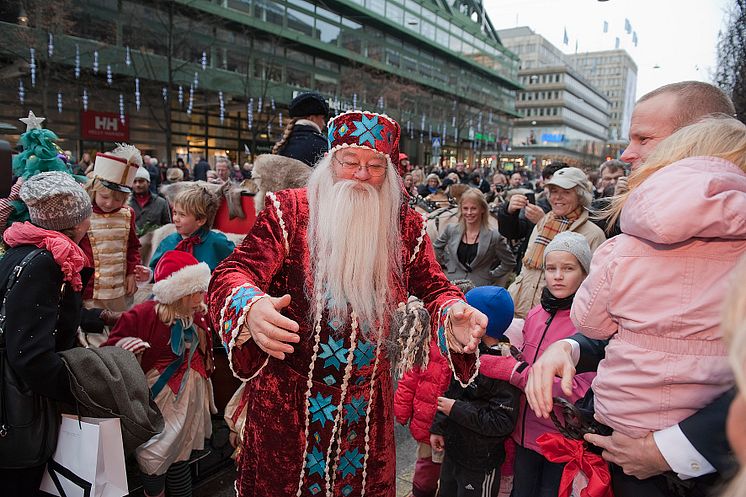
{"points": [[187, 244], [558, 449]]}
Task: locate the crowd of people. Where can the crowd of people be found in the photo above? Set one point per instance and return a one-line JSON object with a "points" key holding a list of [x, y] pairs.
{"points": [[581, 332]]}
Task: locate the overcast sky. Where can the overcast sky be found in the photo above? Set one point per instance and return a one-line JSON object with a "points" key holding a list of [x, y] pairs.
{"points": [[678, 36]]}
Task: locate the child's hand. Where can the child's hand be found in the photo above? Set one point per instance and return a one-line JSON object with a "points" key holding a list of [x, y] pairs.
{"points": [[133, 344], [445, 405], [130, 285], [437, 442], [143, 274]]}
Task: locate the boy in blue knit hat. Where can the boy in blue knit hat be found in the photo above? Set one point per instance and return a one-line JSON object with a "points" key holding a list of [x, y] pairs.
{"points": [[473, 422]]}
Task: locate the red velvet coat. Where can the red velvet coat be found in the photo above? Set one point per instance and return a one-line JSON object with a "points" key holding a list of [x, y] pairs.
{"points": [[319, 422], [416, 397]]}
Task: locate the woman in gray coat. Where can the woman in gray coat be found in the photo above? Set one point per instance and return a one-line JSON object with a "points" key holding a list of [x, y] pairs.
{"points": [[470, 249]]}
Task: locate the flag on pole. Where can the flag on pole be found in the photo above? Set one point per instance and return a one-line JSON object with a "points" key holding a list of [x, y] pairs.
{"points": [[565, 40], [616, 43], [627, 26], [606, 26], [634, 38]]}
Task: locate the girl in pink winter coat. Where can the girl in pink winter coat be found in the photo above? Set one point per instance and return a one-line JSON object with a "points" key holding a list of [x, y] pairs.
{"points": [[567, 259], [657, 290]]}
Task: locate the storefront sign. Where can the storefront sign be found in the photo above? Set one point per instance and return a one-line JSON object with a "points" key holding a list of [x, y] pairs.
{"points": [[104, 127]]}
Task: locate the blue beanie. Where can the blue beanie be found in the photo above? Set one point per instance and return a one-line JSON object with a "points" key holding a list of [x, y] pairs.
{"points": [[496, 304]]}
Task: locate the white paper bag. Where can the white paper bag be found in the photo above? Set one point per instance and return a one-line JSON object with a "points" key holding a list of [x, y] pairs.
{"points": [[89, 460]]}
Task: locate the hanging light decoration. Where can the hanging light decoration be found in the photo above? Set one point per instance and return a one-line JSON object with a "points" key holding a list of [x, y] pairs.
{"points": [[181, 95], [59, 102], [164, 91], [85, 99], [354, 101], [21, 92], [137, 94], [191, 100], [273, 105], [121, 108], [95, 61], [222, 106], [259, 107], [250, 113], [204, 60], [281, 126], [127, 56], [32, 66], [77, 61], [108, 74], [195, 84], [50, 45]]}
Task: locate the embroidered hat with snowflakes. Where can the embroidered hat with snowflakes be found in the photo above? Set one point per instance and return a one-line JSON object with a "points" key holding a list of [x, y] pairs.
{"points": [[179, 274], [367, 130]]}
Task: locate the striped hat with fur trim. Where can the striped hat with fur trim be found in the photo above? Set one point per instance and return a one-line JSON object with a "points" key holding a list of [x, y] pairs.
{"points": [[177, 275]]}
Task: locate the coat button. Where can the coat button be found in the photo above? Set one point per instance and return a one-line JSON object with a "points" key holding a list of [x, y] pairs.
{"points": [[695, 466]]}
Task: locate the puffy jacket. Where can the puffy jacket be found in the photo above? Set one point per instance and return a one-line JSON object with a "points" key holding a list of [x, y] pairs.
{"points": [[416, 397], [306, 143], [482, 417], [657, 291], [539, 332]]}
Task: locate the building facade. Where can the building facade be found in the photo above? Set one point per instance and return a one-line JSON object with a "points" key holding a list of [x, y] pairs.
{"points": [[614, 73], [195, 78], [563, 116]]}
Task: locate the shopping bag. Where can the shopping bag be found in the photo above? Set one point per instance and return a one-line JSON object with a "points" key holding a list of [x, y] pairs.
{"points": [[89, 460]]}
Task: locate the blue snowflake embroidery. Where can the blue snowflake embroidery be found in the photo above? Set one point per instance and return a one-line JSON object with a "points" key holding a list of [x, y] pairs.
{"points": [[321, 409], [242, 298], [363, 354], [368, 130], [315, 462], [330, 134], [334, 353], [350, 462], [355, 409]]}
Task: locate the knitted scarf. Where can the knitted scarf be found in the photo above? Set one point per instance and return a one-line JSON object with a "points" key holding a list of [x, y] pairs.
{"points": [[69, 256], [549, 226]]}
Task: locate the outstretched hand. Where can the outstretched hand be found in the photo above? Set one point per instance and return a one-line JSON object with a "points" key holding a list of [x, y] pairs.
{"points": [[270, 330], [555, 361], [468, 325]]}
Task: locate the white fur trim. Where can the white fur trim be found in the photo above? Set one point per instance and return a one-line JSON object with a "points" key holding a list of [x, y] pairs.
{"points": [[185, 281]]}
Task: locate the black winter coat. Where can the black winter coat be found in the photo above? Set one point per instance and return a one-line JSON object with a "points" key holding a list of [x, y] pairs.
{"points": [[482, 417], [305, 144], [42, 319]]}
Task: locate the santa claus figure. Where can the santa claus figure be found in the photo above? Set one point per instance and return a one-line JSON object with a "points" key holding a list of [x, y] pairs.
{"points": [[305, 309]]}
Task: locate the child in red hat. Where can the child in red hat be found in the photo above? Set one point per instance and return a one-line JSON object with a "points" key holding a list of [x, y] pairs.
{"points": [[172, 340]]}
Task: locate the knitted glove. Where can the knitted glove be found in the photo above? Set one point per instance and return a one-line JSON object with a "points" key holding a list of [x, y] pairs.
{"points": [[133, 344], [498, 367]]}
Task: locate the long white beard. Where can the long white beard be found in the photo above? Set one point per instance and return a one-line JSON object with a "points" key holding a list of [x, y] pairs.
{"points": [[354, 244]]}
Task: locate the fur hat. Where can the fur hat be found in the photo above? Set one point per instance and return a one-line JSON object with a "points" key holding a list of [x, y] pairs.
{"points": [[365, 130], [309, 104], [496, 304], [55, 200], [179, 274], [574, 243]]}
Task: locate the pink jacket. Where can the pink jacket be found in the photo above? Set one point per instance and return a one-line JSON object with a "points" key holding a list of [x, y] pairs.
{"points": [[657, 291], [416, 397], [537, 337]]}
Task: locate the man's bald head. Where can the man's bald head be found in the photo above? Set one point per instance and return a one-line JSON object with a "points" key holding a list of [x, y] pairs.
{"points": [[695, 100]]}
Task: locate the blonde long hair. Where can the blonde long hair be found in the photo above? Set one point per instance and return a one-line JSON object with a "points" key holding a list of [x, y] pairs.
{"points": [[717, 136], [734, 333], [477, 197]]}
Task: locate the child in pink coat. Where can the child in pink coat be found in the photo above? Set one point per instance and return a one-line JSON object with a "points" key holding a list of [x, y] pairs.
{"points": [[657, 290], [567, 259]]}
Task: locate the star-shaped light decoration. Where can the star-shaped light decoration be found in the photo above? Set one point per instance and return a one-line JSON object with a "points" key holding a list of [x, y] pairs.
{"points": [[32, 122]]}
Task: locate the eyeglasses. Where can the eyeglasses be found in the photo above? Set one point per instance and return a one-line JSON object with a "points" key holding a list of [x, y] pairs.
{"points": [[374, 170]]}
